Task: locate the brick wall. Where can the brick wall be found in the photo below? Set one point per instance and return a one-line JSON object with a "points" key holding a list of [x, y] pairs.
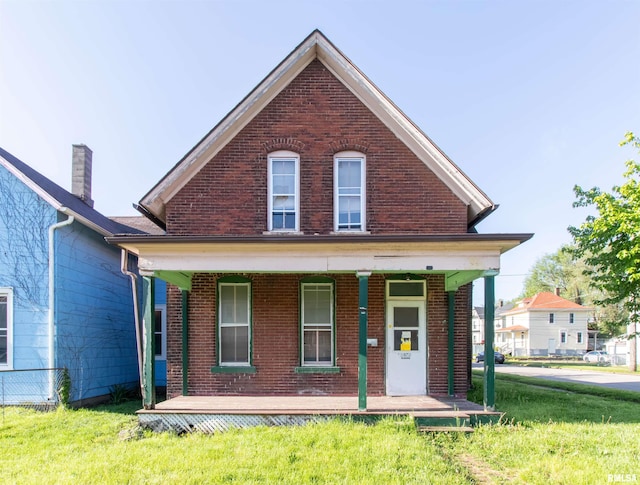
{"points": [[315, 116], [276, 337]]}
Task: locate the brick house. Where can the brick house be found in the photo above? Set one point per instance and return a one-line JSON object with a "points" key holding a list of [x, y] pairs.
{"points": [[317, 243]]}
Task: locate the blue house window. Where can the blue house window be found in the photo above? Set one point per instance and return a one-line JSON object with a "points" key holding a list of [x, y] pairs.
{"points": [[160, 331], [6, 324]]}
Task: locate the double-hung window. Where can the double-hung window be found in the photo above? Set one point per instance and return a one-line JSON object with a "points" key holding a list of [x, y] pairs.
{"points": [[6, 323], [160, 332], [317, 319], [234, 322], [284, 192], [349, 191]]}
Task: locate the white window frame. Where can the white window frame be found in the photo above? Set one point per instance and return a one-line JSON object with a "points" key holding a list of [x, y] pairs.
{"points": [[8, 293], [288, 156], [579, 338], [222, 325], [162, 354], [552, 318], [330, 325], [347, 156], [564, 336], [572, 318]]}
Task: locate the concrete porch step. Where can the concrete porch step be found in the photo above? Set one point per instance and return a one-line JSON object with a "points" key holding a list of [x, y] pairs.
{"points": [[445, 429]]}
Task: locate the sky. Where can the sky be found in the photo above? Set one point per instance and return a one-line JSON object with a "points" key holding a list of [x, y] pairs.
{"points": [[528, 98]]}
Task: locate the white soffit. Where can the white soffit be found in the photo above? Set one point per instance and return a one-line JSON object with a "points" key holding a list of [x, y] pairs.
{"points": [[316, 46]]}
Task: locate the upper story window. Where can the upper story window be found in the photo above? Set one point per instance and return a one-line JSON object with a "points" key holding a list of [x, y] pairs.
{"points": [[571, 318], [6, 324], [552, 318], [284, 191], [349, 191]]}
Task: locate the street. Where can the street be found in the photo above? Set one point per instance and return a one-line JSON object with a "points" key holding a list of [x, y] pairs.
{"points": [[606, 379]]}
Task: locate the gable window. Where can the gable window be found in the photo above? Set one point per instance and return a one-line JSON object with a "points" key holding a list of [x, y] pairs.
{"points": [[551, 318], [317, 322], [571, 318], [283, 191], [349, 191], [234, 322], [160, 332], [6, 327]]}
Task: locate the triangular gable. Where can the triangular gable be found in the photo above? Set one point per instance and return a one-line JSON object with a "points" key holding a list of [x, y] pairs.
{"points": [[317, 46], [61, 199]]}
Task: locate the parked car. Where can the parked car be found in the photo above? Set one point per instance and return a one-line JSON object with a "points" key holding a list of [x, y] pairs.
{"points": [[498, 357], [596, 356]]}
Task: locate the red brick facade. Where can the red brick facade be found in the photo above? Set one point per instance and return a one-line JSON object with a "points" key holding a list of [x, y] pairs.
{"points": [[315, 116], [276, 339]]}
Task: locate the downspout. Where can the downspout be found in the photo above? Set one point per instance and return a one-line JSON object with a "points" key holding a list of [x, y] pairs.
{"points": [[51, 320], [136, 311]]}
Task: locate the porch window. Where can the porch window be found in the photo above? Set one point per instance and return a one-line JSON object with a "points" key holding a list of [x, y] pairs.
{"points": [[317, 321], [6, 324], [284, 188], [349, 191], [234, 311]]}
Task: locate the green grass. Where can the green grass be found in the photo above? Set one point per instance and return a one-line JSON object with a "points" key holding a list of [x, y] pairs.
{"points": [[547, 436]]}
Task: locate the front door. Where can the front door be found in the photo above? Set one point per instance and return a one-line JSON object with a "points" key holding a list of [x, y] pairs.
{"points": [[406, 348]]}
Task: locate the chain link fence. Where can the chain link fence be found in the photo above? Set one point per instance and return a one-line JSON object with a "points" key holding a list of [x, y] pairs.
{"points": [[41, 389]]}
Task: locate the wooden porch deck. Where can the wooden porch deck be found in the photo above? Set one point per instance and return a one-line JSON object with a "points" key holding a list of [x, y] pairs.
{"points": [[211, 414]]}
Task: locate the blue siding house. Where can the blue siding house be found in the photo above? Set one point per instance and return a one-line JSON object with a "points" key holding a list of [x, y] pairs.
{"points": [[64, 299]]}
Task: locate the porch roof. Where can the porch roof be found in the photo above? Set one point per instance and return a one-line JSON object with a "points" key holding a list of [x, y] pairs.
{"points": [[461, 257], [514, 328]]}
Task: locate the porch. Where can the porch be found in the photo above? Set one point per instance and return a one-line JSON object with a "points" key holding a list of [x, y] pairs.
{"points": [[211, 414]]}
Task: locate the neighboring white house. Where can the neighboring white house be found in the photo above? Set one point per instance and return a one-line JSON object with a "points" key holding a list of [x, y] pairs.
{"points": [[544, 324], [477, 324]]}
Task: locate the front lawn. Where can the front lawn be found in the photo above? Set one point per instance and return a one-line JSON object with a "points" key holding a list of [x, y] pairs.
{"points": [[548, 436]]}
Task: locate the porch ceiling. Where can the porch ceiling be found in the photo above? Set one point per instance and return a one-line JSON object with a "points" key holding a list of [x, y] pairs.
{"points": [[462, 258]]}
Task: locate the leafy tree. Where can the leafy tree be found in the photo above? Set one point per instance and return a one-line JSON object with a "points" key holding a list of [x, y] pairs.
{"points": [[562, 270], [610, 242]]}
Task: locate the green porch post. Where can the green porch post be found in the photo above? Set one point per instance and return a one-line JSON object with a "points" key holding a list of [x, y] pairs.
{"points": [[489, 329], [363, 303], [185, 342], [451, 298], [148, 352]]}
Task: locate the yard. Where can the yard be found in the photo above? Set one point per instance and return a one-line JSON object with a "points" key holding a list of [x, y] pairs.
{"points": [[548, 436]]}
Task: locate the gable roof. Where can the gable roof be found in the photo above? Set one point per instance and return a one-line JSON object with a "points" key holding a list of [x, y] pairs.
{"points": [[546, 301], [61, 199], [317, 46]]}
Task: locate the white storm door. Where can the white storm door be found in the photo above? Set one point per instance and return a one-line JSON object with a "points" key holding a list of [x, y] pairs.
{"points": [[406, 348]]}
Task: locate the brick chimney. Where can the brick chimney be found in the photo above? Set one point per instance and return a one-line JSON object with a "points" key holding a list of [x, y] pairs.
{"points": [[81, 173]]}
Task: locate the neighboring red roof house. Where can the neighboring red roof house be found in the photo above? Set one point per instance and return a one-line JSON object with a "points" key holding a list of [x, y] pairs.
{"points": [[317, 243], [544, 324]]}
